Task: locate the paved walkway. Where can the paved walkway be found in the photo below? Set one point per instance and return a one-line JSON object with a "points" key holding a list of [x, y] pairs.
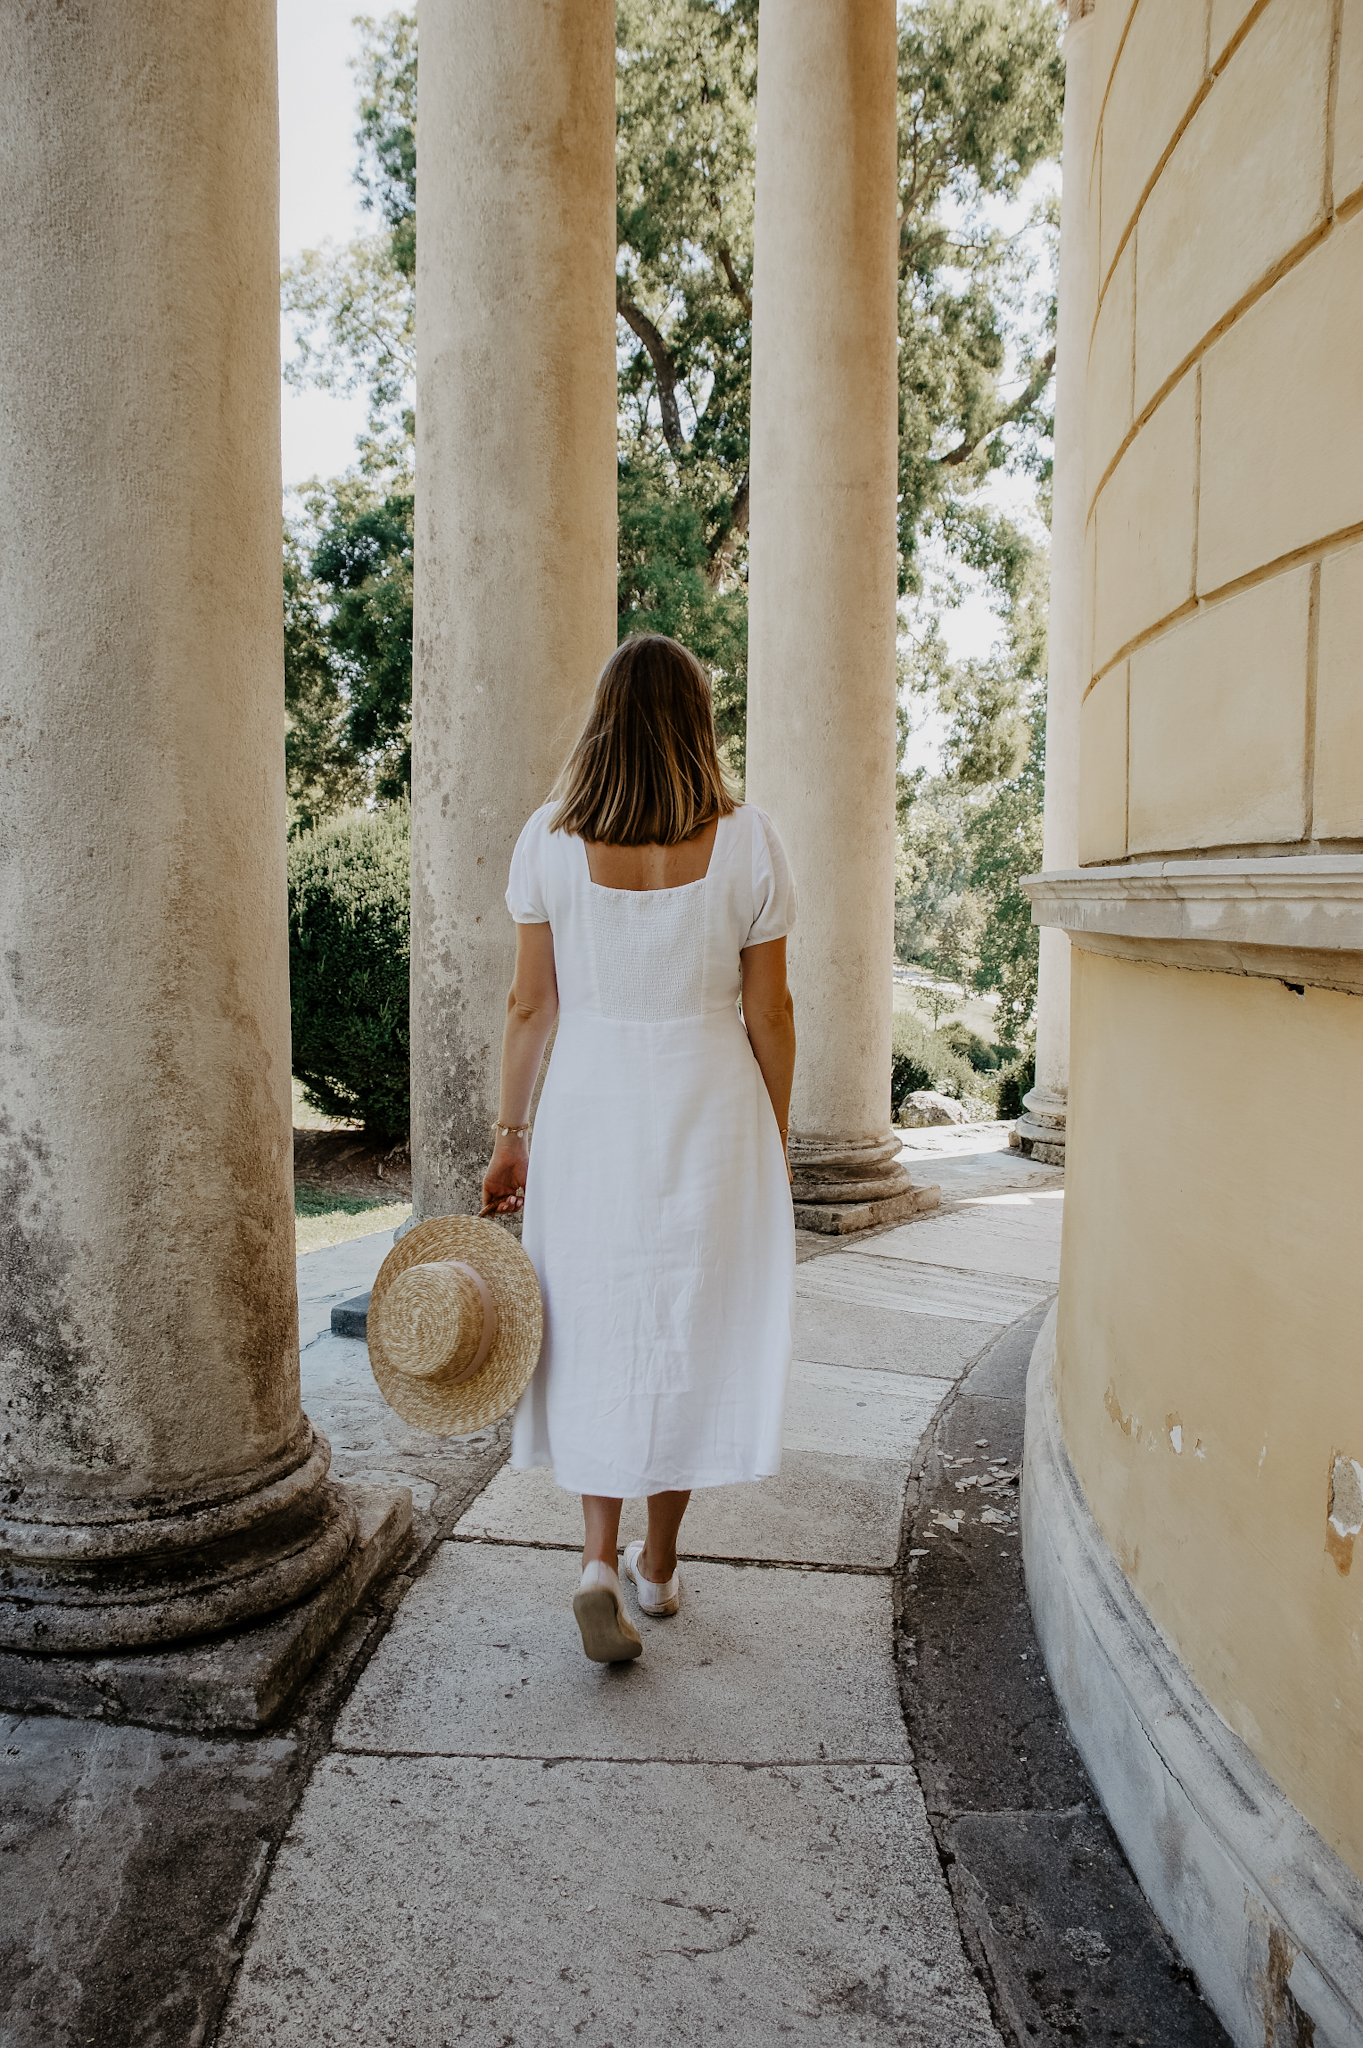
{"points": [[504, 1844]]}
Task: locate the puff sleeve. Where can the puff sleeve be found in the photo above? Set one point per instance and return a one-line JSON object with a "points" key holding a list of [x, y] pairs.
{"points": [[525, 890], [773, 885]]}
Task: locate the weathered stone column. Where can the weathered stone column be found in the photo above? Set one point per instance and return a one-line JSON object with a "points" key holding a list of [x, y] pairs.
{"points": [[1041, 1131], [159, 1480], [515, 510], [821, 716]]}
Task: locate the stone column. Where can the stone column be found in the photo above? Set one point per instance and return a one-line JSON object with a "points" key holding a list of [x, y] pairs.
{"points": [[159, 1480], [515, 510], [1041, 1131], [821, 707]]}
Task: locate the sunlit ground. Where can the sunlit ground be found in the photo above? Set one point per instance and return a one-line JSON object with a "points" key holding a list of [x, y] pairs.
{"points": [[324, 1216]]}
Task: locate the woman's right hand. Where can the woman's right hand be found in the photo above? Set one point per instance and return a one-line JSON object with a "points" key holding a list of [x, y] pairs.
{"points": [[504, 1181]]}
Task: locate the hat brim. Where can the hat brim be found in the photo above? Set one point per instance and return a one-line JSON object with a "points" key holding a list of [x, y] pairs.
{"points": [[468, 1405]]}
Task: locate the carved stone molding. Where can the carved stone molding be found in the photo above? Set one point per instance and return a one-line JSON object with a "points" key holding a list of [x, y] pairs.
{"points": [[1294, 917]]}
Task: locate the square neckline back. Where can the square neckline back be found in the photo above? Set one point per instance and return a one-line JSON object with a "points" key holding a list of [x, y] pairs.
{"points": [[669, 888]]}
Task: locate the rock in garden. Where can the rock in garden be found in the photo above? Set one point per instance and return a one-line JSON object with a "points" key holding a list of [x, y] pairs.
{"points": [[924, 1107]]}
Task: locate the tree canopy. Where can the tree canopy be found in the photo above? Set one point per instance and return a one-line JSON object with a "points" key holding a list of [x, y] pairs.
{"points": [[980, 94]]}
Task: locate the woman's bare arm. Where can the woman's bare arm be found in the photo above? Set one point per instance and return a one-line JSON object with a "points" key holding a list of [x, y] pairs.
{"points": [[769, 1015], [531, 1009]]}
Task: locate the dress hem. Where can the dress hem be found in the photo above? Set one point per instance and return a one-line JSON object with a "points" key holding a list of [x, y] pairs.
{"points": [[637, 1486]]}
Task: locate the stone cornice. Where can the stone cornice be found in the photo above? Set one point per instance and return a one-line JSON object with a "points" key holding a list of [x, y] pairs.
{"points": [[1295, 917]]}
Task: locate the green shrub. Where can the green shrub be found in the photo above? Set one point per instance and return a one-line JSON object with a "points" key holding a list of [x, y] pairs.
{"points": [[1015, 1082], [349, 920], [983, 1057], [922, 1058]]}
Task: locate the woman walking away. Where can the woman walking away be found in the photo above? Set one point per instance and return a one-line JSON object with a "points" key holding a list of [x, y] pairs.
{"points": [[657, 1202]]}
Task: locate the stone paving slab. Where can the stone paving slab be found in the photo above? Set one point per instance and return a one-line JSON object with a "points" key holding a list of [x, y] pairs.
{"points": [[484, 1659], [97, 1943], [428, 1901], [869, 1279], [833, 1328], [840, 1511], [843, 1412], [331, 1274], [1018, 1235]]}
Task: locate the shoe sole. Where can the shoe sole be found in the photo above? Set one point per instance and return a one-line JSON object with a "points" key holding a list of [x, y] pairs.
{"points": [[607, 1637]]}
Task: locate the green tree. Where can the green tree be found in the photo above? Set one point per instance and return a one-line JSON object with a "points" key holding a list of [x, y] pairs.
{"points": [[1004, 836], [980, 85], [322, 768], [354, 309], [362, 565], [686, 91], [968, 835], [349, 964]]}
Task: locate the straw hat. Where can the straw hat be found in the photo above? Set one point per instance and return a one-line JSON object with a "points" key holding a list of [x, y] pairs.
{"points": [[455, 1324]]}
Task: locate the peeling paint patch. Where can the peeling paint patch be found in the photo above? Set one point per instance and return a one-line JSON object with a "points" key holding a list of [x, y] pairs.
{"points": [[1173, 1424], [1345, 1517], [1127, 1424]]}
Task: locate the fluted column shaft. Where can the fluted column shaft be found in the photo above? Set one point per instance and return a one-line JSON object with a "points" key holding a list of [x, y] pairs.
{"points": [[821, 719], [148, 1314], [515, 509]]}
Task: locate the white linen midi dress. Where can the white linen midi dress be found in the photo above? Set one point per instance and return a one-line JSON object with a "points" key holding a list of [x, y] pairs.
{"points": [[657, 1211]]}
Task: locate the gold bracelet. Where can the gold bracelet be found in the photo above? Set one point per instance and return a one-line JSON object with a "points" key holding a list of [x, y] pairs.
{"points": [[513, 1130]]}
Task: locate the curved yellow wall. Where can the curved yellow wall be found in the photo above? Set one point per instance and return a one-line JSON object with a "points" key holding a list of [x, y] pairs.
{"points": [[1210, 1349]]}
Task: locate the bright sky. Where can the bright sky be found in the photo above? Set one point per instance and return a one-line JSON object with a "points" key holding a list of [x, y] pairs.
{"points": [[318, 201]]}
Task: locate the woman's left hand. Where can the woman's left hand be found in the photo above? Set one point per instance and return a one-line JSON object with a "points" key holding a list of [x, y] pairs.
{"points": [[504, 1181]]}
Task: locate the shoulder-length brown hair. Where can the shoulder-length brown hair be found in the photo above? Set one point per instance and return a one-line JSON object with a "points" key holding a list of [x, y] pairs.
{"points": [[646, 769]]}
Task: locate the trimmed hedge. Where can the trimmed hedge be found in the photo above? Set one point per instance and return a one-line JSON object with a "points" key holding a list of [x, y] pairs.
{"points": [[1015, 1082], [349, 953], [983, 1057], [923, 1058]]}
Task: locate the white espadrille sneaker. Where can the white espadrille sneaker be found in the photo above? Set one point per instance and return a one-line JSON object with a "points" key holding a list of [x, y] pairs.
{"points": [[653, 1600], [608, 1634]]}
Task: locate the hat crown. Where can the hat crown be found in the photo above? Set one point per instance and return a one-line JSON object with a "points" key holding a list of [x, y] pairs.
{"points": [[438, 1320], [419, 1345]]}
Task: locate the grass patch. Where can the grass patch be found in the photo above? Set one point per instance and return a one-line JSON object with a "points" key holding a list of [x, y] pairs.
{"points": [[323, 1218], [978, 1011]]}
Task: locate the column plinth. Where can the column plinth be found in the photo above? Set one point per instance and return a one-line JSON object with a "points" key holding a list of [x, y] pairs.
{"points": [[158, 1481], [1040, 1131], [80, 1576], [842, 1185]]}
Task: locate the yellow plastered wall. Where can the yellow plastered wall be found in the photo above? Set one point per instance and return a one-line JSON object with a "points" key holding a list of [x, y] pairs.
{"points": [[1224, 401], [1210, 1343]]}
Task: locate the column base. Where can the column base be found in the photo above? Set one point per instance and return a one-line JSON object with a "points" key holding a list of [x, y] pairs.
{"points": [[843, 1185], [1040, 1132], [146, 1574], [232, 1682]]}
